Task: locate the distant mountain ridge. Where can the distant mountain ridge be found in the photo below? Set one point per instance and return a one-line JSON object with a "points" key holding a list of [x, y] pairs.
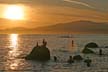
{"points": [[70, 27], [78, 27]]}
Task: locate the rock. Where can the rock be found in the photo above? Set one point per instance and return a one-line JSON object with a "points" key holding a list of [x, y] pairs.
{"points": [[88, 62], [87, 51], [77, 57], [106, 46], [39, 53], [91, 45]]}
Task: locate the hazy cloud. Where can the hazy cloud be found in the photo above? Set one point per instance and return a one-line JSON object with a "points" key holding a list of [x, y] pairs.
{"points": [[80, 3]]}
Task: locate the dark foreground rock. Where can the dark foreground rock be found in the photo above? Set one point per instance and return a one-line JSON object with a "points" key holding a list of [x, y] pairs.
{"points": [[91, 45], [39, 53], [87, 51], [77, 57]]}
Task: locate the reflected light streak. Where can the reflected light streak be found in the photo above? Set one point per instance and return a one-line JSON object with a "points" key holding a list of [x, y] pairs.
{"points": [[13, 46], [13, 66], [13, 53], [14, 40]]}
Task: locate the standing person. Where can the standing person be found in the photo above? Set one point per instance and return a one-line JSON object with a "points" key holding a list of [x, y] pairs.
{"points": [[72, 43], [100, 52], [88, 62], [70, 60], [55, 59]]}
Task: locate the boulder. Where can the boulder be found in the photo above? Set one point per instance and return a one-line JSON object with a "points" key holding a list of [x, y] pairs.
{"points": [[39, 53], [87, 51], [77, 57], [91, 45], [106, 46]]}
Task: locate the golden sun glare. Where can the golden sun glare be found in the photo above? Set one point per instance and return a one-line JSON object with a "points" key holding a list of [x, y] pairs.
{"points": [[14, 12]]}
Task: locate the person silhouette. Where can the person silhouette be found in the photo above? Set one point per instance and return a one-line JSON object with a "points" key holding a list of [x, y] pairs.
{"points": [[72, 43], [88, 62], [100, 52], [55, 59], [70, 60]]}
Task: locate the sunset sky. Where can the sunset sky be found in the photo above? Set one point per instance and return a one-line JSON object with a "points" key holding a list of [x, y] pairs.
{"points": [[48, 12]]}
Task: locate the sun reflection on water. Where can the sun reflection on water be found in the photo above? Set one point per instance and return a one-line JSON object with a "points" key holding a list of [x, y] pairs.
{"points": [[13, 53], [13, 45], [14, 40]]}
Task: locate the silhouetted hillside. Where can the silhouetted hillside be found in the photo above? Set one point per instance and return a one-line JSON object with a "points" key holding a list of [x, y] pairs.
{"points": [[77, 27], [85, 27]]}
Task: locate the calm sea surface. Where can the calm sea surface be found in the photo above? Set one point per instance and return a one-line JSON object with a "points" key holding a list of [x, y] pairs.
{"points": [[14, 47]]}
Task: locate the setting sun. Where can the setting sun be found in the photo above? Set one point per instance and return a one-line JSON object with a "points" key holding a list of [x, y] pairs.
{"points": [[14, 12]]}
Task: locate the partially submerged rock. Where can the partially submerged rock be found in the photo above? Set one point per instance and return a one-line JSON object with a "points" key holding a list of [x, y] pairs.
{"points": [[91, 45], [88, 62], [87, 51], [39, 53], [77, 57], [106, 46]]}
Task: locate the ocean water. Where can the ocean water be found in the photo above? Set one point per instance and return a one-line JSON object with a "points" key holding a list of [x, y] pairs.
{"points": [[14, 47]]}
